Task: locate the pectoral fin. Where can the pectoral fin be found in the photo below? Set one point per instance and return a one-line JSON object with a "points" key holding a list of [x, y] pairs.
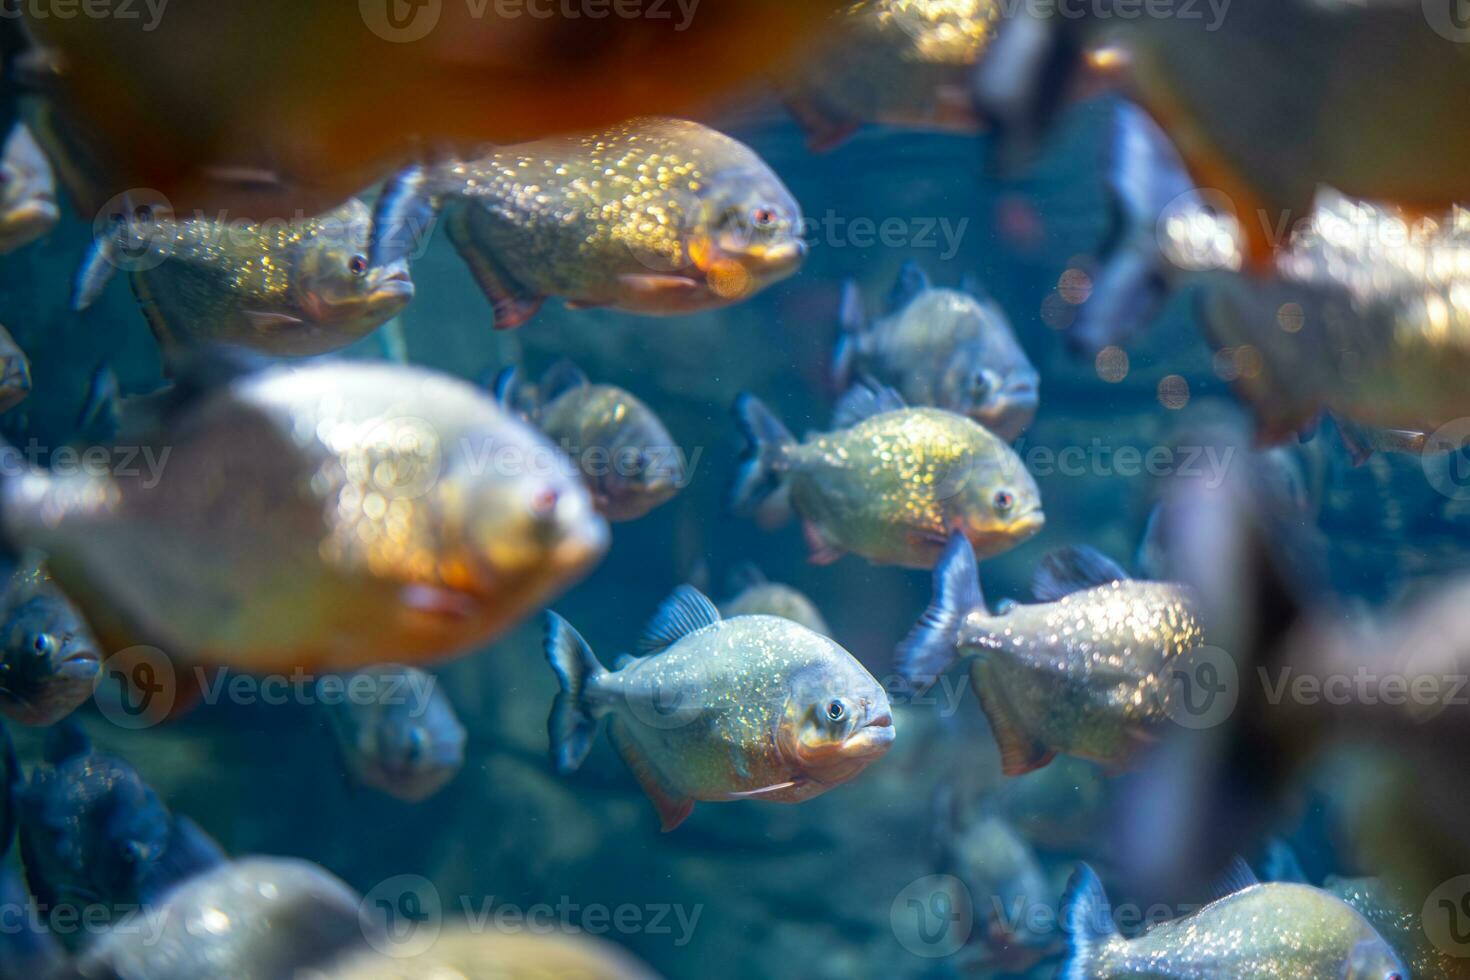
{"points": [[746, 794], [1020, 752], [652, 286], [820, 551], [673, 807], [267, 322]]}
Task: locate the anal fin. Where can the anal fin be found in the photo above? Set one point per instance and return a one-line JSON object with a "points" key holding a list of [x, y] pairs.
{"points": [[1020, 752], [820, 551], [512, 306], [673, 809]]}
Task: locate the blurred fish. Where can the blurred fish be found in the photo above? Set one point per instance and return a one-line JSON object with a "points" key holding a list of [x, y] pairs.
{"points": [[1004, 877], [27, 191], [1274, 931], [752, 594], [895, 63], [629, 460], [1085, 671], [654, 216], [755, 707], [286, 288], [257, 918], [49, 659], [397, 731], [321, 516], [891, 483], [1366, 319], [1227, 89], [1400, 921], [15, 372], [95, 837], [481, 954], [947, 348], [351, 92]]}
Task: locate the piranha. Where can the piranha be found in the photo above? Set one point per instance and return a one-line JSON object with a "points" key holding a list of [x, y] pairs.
{"points": [[953, 349], [754, 707], [397, 730], [463, 951], [654, 216], [627, 457], [1275, 931], [1219, 81], [284, 288], [15, 372], [49, 659], [27, 191], [891, 483], [752, 594], [893, 62], [1400, 921], [327, 515], [94, 834], [1084, 671], [250, 917]]}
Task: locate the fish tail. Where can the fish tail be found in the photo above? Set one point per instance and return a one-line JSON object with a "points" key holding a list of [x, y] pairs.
{"points": [[760, 489], [573, 722], [403, 217], [94, 274], [931, 646], [1088, 923]]}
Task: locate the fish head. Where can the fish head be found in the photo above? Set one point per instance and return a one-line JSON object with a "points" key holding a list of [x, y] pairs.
{"points": [[643, 470], [45, 645], [527, 513], [748, 232], [1374, 959], [28, 207], [837, 718], [1000, 396], [415, 751], [336, 282], [991, 498]]}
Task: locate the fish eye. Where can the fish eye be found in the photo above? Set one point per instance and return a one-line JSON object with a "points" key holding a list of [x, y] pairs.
{"points": [[1004, 500], [763, 217], [43, 643], [979, 384], [836, 710], [358, 264]]}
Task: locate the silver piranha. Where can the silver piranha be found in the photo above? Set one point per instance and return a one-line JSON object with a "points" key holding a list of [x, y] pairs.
{"points": [[953, 349], [48, 657], [891, 484], [323, 516], [621, 448], [755, 707], [397, 730], [1084, 671]]}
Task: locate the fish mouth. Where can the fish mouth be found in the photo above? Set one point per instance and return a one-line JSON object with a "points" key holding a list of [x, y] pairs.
{"points": [[393, 282], [781, 259], [1028, 523], [873, 739]]}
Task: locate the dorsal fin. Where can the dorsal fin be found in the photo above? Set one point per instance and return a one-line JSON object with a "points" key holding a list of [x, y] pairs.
{"points": [[912, 280], [682, 613], [1236, 877], [560, 378], [507, 386], [864, 400], [1069, 570]]}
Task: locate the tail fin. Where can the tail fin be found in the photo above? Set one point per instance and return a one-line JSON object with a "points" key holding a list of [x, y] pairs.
{"points": [[403, 218], [573, 722], [853, 320], [930, 647], [1088, 923], [760, 489]]}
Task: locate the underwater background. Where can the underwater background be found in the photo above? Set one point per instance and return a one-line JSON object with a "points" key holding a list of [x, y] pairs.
{"points": [[823, 889]]}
